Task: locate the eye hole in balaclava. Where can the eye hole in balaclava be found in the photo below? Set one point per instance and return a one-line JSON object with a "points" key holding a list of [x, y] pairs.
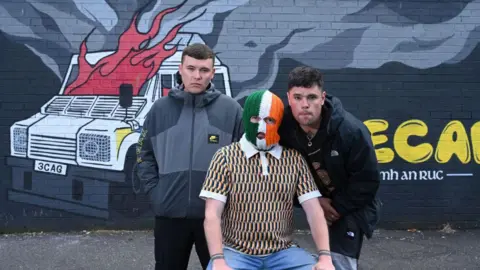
{"points": [[262, 115]]}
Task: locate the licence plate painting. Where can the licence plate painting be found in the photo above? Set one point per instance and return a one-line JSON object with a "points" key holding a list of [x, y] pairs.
{"points": [[50, 167]]}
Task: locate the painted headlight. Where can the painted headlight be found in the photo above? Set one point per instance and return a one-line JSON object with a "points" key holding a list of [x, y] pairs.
{"points": [[94, 147], [20, 140]]}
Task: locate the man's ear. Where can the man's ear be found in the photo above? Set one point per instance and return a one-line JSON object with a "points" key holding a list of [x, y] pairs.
{"points": [[213, 74], [324, 96], [180, 68], [288, 97]]}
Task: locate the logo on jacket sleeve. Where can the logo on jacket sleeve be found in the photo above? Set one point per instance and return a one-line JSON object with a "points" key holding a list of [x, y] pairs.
{"points": [[213, 138]]}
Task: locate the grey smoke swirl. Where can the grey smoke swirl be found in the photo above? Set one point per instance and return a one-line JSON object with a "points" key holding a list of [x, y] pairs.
{"points": [[253, 36]]}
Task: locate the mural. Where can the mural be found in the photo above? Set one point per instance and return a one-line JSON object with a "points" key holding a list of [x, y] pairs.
{"points": [[83, 140], [88, 72]]}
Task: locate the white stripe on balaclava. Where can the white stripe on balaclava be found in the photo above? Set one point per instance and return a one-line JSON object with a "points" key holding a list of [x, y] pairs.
{"points": [[264, 112]]}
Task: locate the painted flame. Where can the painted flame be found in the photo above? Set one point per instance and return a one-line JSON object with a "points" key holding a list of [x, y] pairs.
{"points": [[129, 64]]}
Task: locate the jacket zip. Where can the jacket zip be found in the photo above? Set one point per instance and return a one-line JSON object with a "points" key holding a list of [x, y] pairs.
{"points": [[191, 156]]}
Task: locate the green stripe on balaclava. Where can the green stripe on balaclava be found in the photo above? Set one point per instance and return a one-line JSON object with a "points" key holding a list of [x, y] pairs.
{"points": [[252, 108]]}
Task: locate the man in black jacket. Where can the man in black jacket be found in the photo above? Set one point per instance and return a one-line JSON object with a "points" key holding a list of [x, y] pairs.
{"points": [[340, 153]]}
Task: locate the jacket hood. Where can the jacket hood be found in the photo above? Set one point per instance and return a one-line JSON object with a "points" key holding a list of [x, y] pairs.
{"points": [[200, 99], [336, 111]]}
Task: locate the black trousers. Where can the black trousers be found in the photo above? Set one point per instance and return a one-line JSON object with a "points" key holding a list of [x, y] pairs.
{"points": [[174, 238]]}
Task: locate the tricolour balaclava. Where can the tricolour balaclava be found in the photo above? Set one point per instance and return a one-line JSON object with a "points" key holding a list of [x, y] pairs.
{"points": [[262, 103]]}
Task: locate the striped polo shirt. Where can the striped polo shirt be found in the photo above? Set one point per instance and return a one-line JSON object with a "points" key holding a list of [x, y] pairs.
{"points": [[258, 189]]}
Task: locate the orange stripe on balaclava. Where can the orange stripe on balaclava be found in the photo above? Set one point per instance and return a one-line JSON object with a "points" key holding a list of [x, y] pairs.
{"points": [[276, 112], [270, 105]]}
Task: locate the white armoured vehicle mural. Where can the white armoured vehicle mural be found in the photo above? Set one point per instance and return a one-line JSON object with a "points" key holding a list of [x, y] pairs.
{"points": [[78, 153]]}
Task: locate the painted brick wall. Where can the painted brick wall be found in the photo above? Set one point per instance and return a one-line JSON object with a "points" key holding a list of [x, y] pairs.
{"points": [[406, 68]]}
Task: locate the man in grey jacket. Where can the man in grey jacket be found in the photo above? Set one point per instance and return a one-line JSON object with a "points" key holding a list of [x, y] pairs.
{"points": [[181, 133]]}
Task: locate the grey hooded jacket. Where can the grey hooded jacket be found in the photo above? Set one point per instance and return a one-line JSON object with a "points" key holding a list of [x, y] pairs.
{"points": [[181, 133]]}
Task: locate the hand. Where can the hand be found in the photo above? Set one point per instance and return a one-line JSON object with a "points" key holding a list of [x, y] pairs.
{"points": [[324, 263], [331, 215], [220, 264]]}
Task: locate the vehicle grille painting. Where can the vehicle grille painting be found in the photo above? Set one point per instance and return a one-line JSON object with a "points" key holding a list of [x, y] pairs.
{"points": [[56, 148]]}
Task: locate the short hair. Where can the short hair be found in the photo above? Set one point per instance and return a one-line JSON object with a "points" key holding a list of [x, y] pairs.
{"points": [[198, 51], [305, 76]]}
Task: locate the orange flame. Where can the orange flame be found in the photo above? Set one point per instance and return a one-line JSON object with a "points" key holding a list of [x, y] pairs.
{"points": [[130, 64]]}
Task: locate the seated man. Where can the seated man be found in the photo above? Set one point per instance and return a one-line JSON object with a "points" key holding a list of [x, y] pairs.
{"points": [[249, 191]]}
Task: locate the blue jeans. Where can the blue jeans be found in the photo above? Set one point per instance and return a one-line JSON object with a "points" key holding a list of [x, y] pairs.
{"points": [[293, 258], [343, 262]]}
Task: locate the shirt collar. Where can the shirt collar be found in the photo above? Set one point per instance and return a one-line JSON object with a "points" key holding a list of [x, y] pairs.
{"points": [[249, 150]]}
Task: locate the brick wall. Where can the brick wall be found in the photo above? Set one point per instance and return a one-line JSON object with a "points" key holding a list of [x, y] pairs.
{"points": [[404, 67]]}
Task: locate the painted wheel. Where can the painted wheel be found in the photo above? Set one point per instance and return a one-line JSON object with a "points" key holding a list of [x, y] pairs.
{"points": [[127, 198]]}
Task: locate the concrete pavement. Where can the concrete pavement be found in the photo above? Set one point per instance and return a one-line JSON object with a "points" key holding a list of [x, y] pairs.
{"points": [[134, 250]]}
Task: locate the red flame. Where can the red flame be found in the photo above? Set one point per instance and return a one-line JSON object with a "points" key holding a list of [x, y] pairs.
{"points": [[130, 64]]}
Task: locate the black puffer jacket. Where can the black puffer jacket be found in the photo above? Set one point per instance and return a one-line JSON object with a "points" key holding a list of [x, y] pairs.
{"points": [[350, 160]]}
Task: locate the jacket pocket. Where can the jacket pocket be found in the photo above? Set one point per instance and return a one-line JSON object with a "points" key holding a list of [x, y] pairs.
{"points": [[170, 196], [153, 197], [369, 216]]}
